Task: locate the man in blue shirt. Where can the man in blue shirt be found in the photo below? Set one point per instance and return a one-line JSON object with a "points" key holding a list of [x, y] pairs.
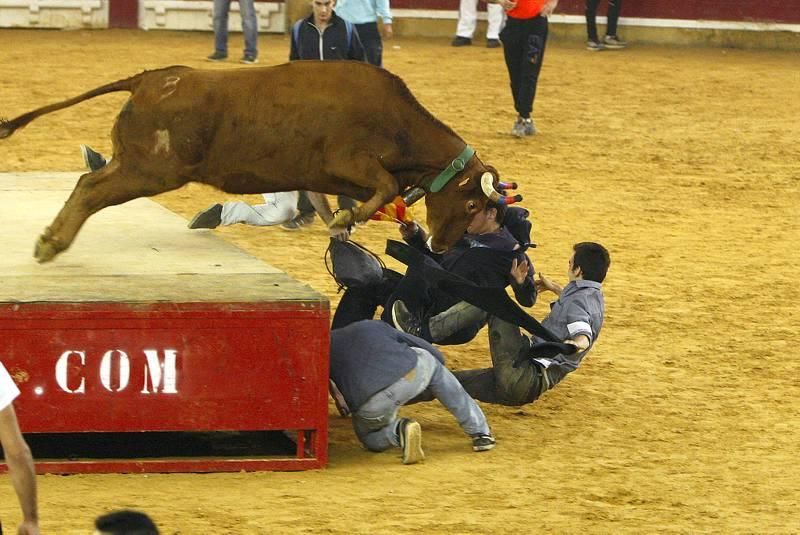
{"points": [[576, 318], [364, 15], [377, 369]]}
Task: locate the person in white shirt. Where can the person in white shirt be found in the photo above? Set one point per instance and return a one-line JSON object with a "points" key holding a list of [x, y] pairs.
{"points": [[18, 456]]}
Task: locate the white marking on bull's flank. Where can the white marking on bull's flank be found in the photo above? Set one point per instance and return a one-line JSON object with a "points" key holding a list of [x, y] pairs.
{"points": [[463, 182], [170, 85], [162, 141]]}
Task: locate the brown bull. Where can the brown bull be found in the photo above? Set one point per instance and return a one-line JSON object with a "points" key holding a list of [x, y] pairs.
{"points": [[331, 127]]}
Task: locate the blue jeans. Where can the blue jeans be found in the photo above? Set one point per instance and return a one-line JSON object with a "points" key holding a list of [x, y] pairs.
{"points": [[247, 10], [375, 422]]}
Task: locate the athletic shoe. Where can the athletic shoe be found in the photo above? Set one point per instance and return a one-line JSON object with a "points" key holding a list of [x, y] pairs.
{"points": [[614, 42], [529, 127], [410, 434], [594, 46], [93, 160], [483, 442], [299, 222], [211, 217], [404, 320], [493, 43], [461, 41], [523, 127], [249, 59], [217, 56]]}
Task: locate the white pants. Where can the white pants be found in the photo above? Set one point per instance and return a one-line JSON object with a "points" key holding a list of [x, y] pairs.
{"points": [[277, 208], [468, 18]]}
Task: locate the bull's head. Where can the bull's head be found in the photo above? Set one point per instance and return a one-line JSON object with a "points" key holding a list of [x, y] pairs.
{"points": [[450, 210]]}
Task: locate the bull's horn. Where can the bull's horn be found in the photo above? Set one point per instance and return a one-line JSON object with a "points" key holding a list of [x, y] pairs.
{"points": [[412, 195], [487, 186]]}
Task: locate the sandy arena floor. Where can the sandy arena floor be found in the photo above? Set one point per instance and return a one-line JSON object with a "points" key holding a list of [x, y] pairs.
{"points": [[683, 419]]}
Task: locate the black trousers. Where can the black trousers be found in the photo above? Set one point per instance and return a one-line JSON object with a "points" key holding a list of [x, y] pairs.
{"points": [[371, 41], [524, 42], [361, 304], [305, 207], [614, 7]]}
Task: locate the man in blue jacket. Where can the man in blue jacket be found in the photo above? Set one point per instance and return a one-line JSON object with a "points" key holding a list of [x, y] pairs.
{"points": [[377, 369]]}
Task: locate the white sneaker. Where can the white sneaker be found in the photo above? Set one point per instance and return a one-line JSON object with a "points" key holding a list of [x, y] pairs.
{"points": [[594, 46], [614, 42]]}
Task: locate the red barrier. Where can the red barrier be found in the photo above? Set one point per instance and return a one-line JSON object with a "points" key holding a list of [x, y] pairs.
{"points": [[117, 367]]}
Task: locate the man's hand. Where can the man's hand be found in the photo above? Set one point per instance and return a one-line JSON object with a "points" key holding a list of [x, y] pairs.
{"points": [[519, 271], [544, 284], [29, 527], [549, 7], [387, 30], [581, 342], [408, 230], [508, 5], [339, 233]]}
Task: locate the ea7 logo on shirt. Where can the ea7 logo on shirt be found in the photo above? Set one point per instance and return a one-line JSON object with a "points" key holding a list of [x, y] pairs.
{"points": [[159, 367]]}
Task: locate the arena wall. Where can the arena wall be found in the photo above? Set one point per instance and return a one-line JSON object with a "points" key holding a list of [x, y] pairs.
{"points": [[736, 23]]}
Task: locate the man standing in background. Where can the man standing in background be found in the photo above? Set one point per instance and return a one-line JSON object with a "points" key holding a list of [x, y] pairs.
{"points": [[611, 40], [364, 15], [247, 11], [468, 19]]}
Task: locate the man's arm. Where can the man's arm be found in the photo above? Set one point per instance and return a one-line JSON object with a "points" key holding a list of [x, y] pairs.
{"points": [[20, 467], [294, 52], [543, 284], [383, 11], [320, 203]]}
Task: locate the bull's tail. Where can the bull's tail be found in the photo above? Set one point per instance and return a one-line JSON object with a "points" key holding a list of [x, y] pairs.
{"points": [[9, 127]]}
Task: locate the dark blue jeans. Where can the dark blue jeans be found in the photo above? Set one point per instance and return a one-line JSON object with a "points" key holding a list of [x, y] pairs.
{"points": [[371, 41]]}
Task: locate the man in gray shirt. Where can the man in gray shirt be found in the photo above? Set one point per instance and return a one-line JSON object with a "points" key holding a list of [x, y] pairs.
{"points": [[377, 369], [576, 318]]}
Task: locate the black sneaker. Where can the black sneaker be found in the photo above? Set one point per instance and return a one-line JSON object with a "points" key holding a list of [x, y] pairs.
{"points": [[404, 320], [299, 222], [493, 43], [483, 442], [410, 434], [249, 59], [217, 56], [93, 160], [211, 217], [461, 41]]}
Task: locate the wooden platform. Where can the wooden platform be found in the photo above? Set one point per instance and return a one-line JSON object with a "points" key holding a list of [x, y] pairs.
{"points": [[146, 326]]}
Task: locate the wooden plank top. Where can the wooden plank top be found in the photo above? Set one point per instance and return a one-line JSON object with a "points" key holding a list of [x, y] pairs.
{"points": [[135, 252]]}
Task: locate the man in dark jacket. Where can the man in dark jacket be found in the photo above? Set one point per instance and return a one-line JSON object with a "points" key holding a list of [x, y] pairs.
{"points": [[488, 255], [377, 369], [324, 35]]}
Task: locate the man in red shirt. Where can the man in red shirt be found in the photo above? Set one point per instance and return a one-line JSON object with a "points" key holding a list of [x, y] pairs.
{"points": [[524, 38]]}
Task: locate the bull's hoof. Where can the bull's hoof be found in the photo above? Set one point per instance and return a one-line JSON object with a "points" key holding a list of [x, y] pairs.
{"points": [[343, 218], [45, 250]]}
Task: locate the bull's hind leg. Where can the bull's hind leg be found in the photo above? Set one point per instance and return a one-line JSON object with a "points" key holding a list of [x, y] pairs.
{"points": [[363, 169], [94, 191]]}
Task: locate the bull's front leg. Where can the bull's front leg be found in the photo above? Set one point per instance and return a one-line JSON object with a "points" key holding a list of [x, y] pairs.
{"points": [[363, 170], [94, 191]]}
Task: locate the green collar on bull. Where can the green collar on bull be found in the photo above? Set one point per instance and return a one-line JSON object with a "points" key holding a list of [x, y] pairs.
{"points": [[455, 167]]}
